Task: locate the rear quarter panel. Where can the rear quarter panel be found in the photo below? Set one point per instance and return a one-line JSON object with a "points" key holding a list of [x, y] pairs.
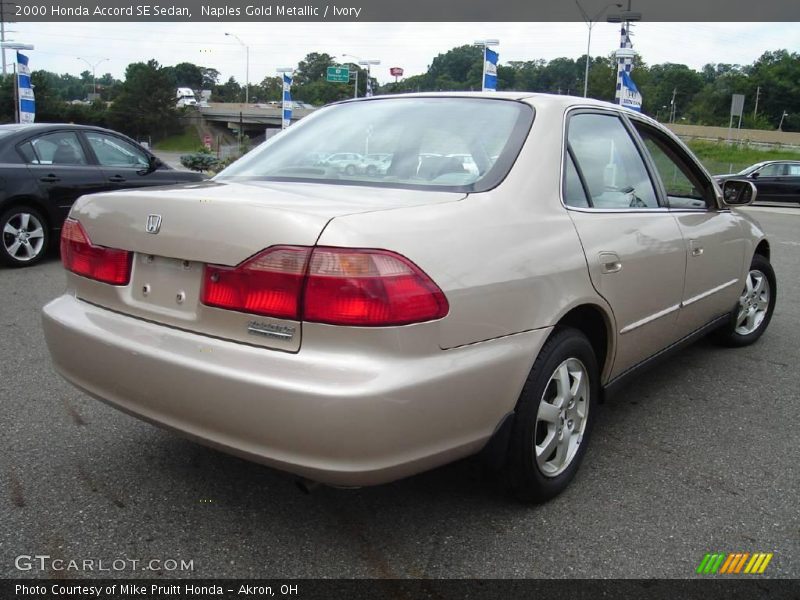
{"points": [[508, 260]]}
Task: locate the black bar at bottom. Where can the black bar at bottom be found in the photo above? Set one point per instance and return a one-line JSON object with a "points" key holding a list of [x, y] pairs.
{"points": [[398, 589]]}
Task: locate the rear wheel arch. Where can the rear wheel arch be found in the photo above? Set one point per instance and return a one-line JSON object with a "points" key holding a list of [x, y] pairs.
{"points": [[596, 325]]}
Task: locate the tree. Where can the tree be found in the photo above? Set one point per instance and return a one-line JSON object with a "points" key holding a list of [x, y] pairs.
{"points": [[314, 67], [210, 78], [458, 69], [146, 103], [187, 75], [230, 91]]}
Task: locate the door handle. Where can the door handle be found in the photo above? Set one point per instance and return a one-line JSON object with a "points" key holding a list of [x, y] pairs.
{"points": [[610, 262], [49, 179], [696, 248], [116, 179]]}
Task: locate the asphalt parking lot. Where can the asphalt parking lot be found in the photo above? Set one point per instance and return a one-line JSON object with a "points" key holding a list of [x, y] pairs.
{"points": [[699, 455]]}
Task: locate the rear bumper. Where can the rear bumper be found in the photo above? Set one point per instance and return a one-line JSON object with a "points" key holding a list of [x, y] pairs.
{"points": [[347, 418]]}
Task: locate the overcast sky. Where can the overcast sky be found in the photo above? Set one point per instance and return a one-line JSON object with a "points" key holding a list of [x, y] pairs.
{"points": [[408, 45]]}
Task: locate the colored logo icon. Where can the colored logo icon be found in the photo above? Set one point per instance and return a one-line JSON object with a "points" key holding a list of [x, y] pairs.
{"points": [[734, 563]]}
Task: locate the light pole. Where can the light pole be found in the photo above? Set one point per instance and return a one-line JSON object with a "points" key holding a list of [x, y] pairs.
{"points": [[780, 125], [484, 44], [368, 63], [591, 22], [355, 93], [247, 66], [93, 67]]}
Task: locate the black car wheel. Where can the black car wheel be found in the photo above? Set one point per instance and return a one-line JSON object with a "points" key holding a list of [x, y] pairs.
{"points": [[553, 418], [25, 237]]}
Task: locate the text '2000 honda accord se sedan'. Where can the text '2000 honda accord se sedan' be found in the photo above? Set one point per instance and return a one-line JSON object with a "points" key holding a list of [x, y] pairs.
{"points": [[357, 328]]}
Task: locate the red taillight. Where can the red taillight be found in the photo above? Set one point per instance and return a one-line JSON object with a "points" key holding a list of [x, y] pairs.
{"points": [[369, 288], [339, 286], [268, 284], [80, 256]]}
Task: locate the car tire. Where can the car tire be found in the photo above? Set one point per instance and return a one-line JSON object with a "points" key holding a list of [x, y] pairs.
{"points": [[553, 418], [24, 237], [753, 311], [350, 170], [372, 170]]}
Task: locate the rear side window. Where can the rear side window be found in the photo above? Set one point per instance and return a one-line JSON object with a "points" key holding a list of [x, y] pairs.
{"points": [[28, 154], [609, 162], [59, 148]]}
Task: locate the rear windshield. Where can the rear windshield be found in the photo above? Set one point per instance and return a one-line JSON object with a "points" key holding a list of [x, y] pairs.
{"points": [[458, 144]]}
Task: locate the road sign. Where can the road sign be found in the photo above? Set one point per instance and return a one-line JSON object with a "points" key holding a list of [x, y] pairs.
{"points": [[737, 105], [338, 74], [207, 141]]}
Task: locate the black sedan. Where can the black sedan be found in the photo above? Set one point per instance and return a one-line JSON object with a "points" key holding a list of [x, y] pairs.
{"points": [[44, 168], [775, 180]]}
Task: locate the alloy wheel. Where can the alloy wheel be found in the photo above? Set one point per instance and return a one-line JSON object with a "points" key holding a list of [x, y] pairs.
{"points": [[753, 303], [23, 236], [561, 419]]}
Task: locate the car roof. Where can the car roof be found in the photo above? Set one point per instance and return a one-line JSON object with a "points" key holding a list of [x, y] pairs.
{"points": [[530, 97], [32, 127]]}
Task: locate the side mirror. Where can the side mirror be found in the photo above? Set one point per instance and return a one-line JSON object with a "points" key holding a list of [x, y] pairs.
{"points": [[738, 192], [153, 163], [754, 175]]}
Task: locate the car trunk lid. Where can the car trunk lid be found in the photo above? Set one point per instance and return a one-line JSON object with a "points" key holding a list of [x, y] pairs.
{"points": [[174, 232]]}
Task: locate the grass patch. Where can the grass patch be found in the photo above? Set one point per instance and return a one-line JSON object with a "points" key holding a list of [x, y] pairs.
{"points": [[721, 157], [188, 141]]}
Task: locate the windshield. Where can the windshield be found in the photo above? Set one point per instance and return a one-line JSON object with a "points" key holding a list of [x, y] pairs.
{"points": [[463, 144]]}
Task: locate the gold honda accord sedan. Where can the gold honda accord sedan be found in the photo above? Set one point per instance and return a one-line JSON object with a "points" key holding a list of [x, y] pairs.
{"points": [[357, 328]]}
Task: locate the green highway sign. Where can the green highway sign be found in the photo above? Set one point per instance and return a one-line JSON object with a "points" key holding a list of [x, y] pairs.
{"points": [[338, 74]]}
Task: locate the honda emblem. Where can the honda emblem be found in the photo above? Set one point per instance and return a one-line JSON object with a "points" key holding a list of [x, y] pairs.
{"points": [[153, 223]]}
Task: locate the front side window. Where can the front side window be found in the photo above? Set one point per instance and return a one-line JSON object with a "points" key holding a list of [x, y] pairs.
{"points": [[611, 167], [112, 151], [59, 148], [684, 187], [773, 170], [465, 144]]}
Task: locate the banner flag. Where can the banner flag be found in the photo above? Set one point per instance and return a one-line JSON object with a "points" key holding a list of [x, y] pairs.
{"points": [[287, 100], [627, 93], [490, 69], [27, 102]]}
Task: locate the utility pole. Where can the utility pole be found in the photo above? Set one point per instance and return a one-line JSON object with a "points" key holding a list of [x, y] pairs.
{"points": [[3, 32], [755, 111], [672, 113]]}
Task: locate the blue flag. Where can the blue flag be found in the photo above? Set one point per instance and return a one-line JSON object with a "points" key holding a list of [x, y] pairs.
{"points": [[27, 102], [490, 70], [287, 100], [630, 96]]}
